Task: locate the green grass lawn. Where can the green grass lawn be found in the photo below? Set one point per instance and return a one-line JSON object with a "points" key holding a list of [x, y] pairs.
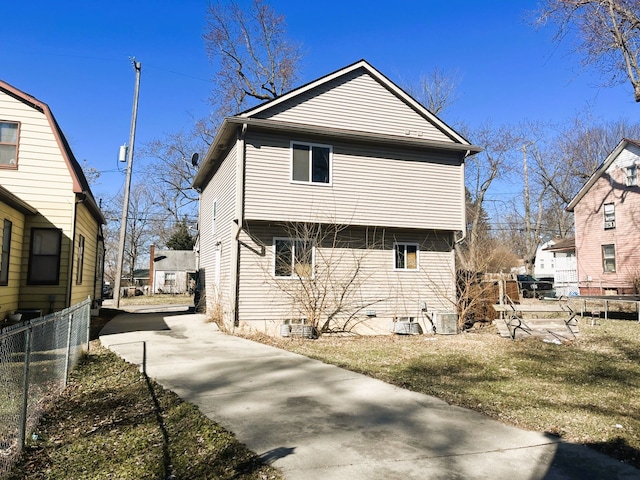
{"points": [[112, 422], [586, 391]]}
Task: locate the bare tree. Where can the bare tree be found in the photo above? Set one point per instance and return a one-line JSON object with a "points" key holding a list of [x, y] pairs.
{"points": [[608, 33], [481, 171], [255, 59], [321, 269], [174, 167], [435, 90]]}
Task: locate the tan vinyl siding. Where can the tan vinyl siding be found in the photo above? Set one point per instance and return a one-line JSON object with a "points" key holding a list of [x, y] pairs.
{"points": [[370, 186], [357, 102], [222, 188], [591, 235], [87, 227], [264, 305], [9, 294]]}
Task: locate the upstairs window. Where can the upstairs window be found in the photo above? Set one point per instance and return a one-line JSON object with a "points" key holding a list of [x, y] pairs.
{"points": [[44, 256], [293, 258], [214, 216], [6, 250], [311, 163], [8, 143], [632, 176], [609, 258], [406, 256], [609, 216]]}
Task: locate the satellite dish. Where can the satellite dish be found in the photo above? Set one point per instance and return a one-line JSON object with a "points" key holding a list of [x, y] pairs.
{"points": [[194, 159]]}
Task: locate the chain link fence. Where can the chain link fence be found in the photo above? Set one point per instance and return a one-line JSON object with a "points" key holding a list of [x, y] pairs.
{"points": [[35, 360]]}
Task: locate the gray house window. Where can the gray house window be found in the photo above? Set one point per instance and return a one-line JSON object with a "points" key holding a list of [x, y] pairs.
{"points": [[609, 258], [311, 163], [293, 258], [406, 256]]}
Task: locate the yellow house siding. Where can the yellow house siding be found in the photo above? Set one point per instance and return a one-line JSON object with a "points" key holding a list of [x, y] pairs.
{"points": [[9, 294], [88, 228]]}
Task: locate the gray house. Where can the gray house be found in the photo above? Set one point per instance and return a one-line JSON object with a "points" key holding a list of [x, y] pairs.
{"points": [[174, 271], [337, 205]]}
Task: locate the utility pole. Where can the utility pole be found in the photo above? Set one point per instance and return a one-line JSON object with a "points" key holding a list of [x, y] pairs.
{"points": [[127, 186]]}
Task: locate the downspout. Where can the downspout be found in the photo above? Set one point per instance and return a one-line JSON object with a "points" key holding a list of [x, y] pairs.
{"points": [[239, 220], [463, 232]]}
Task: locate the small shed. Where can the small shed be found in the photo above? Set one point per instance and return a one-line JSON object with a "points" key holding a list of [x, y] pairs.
{"points": [[174, 271]]}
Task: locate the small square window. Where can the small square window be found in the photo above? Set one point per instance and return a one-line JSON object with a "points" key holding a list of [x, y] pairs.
{"points": [[311, 163], [406, 256], [293, 258]]}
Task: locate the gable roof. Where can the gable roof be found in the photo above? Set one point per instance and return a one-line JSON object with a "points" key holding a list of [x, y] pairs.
{"points": [[604, 166], [80, 183], [258, 117], [562, 245], [178, 260]]}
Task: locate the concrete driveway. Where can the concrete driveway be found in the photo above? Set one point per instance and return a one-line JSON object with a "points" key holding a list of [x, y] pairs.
{"points": [[316, 421]]}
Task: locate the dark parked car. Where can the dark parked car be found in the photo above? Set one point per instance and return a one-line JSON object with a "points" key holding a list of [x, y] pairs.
{"points": [[531, 287]]}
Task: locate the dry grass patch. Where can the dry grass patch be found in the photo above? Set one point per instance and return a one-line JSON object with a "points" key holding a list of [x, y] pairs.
{"points": [[586, 391], [113, 422]]}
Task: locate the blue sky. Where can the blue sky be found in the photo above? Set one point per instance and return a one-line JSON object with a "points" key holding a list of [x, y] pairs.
{"points": [[74, 55]]}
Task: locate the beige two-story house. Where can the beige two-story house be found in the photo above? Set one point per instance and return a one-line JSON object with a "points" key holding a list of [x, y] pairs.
{"points": [[337, 204], [52, 240]]}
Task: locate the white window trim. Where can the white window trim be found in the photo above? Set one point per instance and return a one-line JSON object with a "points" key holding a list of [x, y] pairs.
{"points": [[310, 182], [417, 269], [293, 276]]}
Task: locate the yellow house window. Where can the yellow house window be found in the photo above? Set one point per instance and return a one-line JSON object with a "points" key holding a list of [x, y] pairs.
{"points": [[6, 247], [9, 143], [80, 260], [44, 256]]}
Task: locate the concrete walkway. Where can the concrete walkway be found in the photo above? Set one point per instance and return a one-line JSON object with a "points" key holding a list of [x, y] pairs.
{"points": [[316, 421]]}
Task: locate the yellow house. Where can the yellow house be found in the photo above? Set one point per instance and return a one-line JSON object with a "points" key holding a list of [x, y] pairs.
{"points": [[51, 225]]}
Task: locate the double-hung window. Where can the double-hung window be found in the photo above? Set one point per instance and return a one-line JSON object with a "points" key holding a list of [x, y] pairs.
{"points": [[609, 258], [293, 258], [44, 256], [406, 256], [170, 279], [632, 176], [6, 250], [311, 163], [8, 143], [80, 260], [609, 216]]}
